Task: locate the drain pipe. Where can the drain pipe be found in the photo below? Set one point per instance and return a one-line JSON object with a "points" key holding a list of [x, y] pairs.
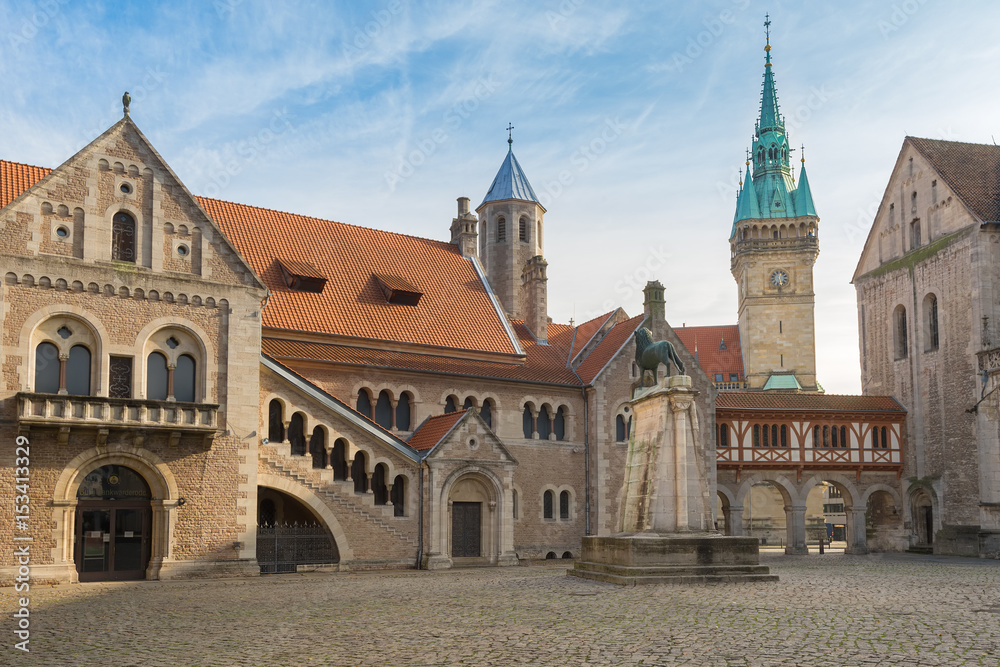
{"points": [[586, 452], [420, 515]]}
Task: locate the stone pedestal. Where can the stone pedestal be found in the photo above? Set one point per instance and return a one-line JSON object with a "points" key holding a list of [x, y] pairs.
{"points": [[666, 511]]}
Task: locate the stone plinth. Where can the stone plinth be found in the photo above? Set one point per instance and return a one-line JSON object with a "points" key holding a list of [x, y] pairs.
{"points": [[666, 516]]}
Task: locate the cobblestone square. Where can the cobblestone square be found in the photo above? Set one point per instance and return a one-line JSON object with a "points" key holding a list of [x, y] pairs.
{"points": [[825, 610]]}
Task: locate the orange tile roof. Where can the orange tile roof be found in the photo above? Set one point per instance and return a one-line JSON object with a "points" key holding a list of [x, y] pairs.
{"points": [[15, 178], [784, 402], [704, 342], [433, 430], [608, 348], [971, 170], [301, 268], [585, 333]]}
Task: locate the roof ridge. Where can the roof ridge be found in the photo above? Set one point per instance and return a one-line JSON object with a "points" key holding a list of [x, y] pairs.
{"points": [[25, 164]]}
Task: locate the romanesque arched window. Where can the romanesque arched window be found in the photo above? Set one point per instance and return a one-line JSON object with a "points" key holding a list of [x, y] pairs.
{"points": [[450, 405], [559, 424], [359, 473], [522, 229], [486, 412], [338, 459], [383, 410], [398, 496], [364, 404], [275, 422], [380, 490], [78, 371], [899, 330], [46, 368], [501, 229], [297, 435], [620, 435], [527, 421], [123, 237], [185, 378], [156, 376], [931, 340], [404, 408], [564, 505], [548, 505], [544, 423], [317, 448]]}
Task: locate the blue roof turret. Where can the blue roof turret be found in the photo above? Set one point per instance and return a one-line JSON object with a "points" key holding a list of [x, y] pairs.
{"points": [[510, 182]]}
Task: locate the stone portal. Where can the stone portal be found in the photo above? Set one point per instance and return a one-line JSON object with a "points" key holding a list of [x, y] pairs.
{"points": [[665, 517]]}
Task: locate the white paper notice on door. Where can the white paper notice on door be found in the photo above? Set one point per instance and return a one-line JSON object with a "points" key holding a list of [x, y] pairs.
{"points": [[107, 537], [128, 533]]}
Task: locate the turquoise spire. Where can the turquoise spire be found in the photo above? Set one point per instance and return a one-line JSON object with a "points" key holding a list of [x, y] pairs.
{"points": [[803, 195], [747, 206], [773, 185]]}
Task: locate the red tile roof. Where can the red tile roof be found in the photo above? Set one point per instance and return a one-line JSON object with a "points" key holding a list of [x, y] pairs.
{"points": [[15, 178], [301, 268], [784, 402], [585, 333], [971, 170], [608, 348], [433, 430], [704, 342]]}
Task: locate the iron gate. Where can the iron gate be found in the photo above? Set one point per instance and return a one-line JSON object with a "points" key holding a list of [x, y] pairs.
{"points": [[281, 548]]}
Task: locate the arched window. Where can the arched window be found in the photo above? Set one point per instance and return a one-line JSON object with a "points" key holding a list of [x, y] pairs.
{"points": [[559, 424], [526, 421], [123, 237], [297, 435], [359, 473], [275, 422], [885, 442], [468, 403], [317, 448], [486, 412], [501, 230], [156, 377], [398, 496], [46, 368], [899, 327], [379, 488], [403, 410], [544, 423], [383, 410], [620, 429], [338, 459], [450, 405], [513, 497], [184, 378], [522, 229], [364, 403], [723, 435], [78, 371], [564, 505], [548, 503], [930, 323]]}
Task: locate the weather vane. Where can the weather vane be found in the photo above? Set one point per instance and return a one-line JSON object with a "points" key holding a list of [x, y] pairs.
{"points": [[510, 140], [767, 27]]}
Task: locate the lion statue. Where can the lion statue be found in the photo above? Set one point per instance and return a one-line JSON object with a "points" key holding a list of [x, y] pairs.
{"points": [[649, 355]]}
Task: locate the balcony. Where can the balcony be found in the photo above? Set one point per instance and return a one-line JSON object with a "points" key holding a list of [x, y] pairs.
{"points": [[102, 414]]}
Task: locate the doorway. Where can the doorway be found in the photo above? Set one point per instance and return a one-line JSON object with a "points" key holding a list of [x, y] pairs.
{"points": [[466, 529], [112, 528]]}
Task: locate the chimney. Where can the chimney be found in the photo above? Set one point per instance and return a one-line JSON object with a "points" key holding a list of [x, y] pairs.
{"points": [[534, 297], [654, 307], [463, 229]]}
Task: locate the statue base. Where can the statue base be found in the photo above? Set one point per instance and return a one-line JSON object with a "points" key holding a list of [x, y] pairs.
{"points": [[631, 559]]}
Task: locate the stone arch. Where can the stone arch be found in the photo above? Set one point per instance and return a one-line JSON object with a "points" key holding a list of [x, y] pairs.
{"points": [[854, 508], [922, 506], [163, 489], [205, 384], [495, 529], [793, 503], [308, 497], [31, 332]]}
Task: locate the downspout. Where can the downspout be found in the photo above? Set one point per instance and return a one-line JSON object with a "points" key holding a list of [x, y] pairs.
{"points": [[586, 452], [420, 515]]}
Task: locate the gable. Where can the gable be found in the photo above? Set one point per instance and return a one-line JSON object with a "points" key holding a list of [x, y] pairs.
{"points": [[71, 211], [468, 439]]}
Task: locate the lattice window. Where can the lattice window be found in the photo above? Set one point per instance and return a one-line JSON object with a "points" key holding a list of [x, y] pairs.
{"points": [[120, 377], [123, 237]]}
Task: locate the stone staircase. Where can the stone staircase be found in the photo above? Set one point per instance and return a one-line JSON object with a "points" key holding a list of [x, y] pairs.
{"points": [[337, 493]]}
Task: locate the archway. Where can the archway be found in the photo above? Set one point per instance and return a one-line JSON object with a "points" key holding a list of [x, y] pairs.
{"points": [[113, 525], [881, 520], [469, 503], [922, 511], [290, 534]]}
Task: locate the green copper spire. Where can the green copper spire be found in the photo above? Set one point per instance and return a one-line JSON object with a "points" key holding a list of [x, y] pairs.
{"points": [[773, 192]]}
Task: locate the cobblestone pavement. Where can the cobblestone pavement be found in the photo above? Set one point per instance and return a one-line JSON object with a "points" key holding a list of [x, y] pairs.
{"points": [[826, 610]]}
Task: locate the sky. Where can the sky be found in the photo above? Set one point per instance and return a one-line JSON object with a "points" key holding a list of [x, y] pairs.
{"points": [[631, 119]]}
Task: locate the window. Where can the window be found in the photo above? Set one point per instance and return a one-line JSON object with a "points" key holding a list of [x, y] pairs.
{"points": [[930, 323], [620, 435], [559, 424], [564, 505], [78, 371], [317, 448], [527, 421], [513, 495], [468, 403], [718, 377], [843, 437], [899, 327], [275, 422], [46, 368], [403, 411], [733, 377], [398, 496], [548, 500], [364, 403], [379, 489], [885, 442], [383, 410], [338, 459], [123, 237], [486, 412], [915, 234], [544, 423], [296, 434], [723, 435], [501, 230], [784, 435], [756, 435], [359, 473], [913, 203], [184, 378], [449, 405], [522, 229], [156, 377], [120, 377]]}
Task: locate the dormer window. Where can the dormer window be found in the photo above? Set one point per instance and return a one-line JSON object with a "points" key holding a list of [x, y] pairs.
{"points": [[398, 290], [301, 276]]}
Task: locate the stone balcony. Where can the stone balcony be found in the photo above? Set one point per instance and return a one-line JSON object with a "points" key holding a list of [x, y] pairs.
{"points": [[101, 414]]}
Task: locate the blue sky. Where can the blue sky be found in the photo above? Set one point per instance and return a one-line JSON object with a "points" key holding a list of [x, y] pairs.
{"points": [[631, 119]]}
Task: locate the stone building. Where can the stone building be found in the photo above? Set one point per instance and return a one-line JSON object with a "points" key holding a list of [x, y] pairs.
{"points": [[201, 384], [928, 288]]}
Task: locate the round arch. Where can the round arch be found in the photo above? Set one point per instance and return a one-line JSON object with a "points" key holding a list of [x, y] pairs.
{"points": [[308, 498]]}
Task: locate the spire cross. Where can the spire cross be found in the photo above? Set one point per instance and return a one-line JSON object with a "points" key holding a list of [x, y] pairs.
{"points": [[767, 27], [803, 153], [510, 140]]}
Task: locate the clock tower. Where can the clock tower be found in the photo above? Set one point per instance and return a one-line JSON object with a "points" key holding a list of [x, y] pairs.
{"points": [[774, 243]]}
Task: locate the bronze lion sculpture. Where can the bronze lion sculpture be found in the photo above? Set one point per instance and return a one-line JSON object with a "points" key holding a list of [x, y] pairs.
{"points": [[649, 355]]}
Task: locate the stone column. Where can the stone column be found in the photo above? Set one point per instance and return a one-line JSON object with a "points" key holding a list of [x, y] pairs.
{"points": [[795, 528], [734, 520], [857, 536]]}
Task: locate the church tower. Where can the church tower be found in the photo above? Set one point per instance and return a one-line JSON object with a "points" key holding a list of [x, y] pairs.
{"points": [[511, 249], [774, 243]]}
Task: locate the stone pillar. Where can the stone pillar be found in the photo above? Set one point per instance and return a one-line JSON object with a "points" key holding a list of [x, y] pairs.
{"points": [[734, 520], [534, 297], [795, 528], [857, 536]]}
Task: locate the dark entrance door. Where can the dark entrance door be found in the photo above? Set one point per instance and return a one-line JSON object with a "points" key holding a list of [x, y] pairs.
{"points": [[112, 527], [466, 530]]}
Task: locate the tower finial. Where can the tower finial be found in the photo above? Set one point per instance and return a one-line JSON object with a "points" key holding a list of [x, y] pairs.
{"points": [[767, 36], [803, 153], [510, 139], [126, 101]]}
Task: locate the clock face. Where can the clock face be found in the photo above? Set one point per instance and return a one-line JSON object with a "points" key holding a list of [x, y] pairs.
{"points": [[779, 278]]}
